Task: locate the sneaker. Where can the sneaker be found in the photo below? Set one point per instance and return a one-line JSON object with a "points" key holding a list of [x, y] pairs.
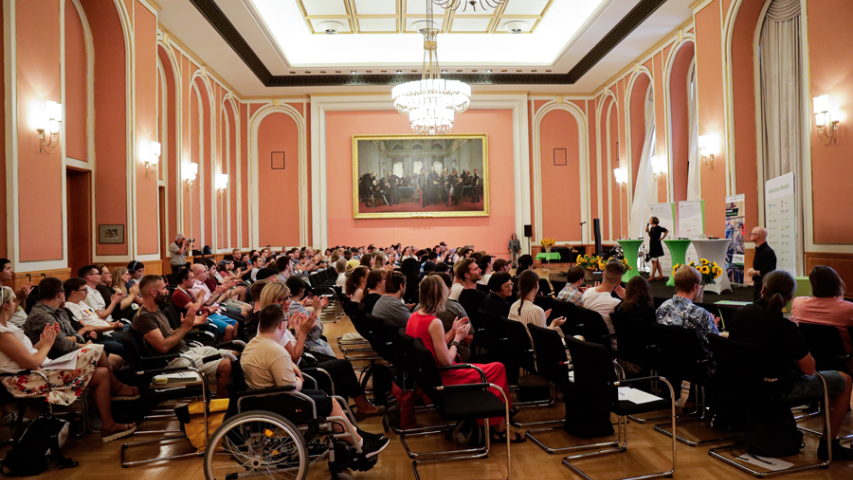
{"points": [[368, 435], [838, 452], [371, 448]]}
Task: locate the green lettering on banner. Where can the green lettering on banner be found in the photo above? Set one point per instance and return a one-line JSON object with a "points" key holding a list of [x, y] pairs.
{"points": [[781, 187]]}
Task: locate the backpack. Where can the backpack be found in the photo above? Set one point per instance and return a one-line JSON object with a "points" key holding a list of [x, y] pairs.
{"points": [[467, 433], [382, 380], [40, 442], [771, 431]]}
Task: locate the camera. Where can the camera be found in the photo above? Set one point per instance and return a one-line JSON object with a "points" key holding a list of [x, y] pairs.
{"points": [[190, 240]]}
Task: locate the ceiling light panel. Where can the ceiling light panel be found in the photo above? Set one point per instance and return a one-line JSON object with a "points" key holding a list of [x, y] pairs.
{"points": [[375, 7], [478, 25], [319, 24], [324, 7], [377, 25], [525, 7]]}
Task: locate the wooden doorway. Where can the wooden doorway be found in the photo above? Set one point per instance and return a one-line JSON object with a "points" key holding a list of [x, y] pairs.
{"points": [[78, 201]]}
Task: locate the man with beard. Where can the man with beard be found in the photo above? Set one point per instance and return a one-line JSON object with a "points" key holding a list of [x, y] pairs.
{"points": [[160, 339]]}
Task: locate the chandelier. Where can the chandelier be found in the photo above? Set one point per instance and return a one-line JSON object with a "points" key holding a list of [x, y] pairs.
{"points": [[431, 102], [455, 4]]}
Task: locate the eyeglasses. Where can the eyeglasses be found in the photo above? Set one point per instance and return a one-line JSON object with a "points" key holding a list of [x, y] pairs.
{"points": [[83, 290]]}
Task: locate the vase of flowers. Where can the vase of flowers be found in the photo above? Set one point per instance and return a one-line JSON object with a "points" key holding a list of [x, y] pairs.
{"points": [[589, 263], [709, 272], [547, 243]]}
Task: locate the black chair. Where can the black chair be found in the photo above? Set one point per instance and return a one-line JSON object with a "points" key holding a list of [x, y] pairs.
{"points": [[379, 339], [554, 366], [596, 376], [521, 355], [826, 346], [558, 285], [586, 323], [682, 357], [483, 288], [456, 403], [741, 367], [636, 340]]}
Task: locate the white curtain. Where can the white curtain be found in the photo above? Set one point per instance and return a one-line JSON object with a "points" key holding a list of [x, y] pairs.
{"points": [[781, 89], [645, 191], [694, 172]]}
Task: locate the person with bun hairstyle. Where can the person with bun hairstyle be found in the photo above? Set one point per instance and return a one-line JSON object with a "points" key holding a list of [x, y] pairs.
{"points": [[787, 357], [827, 305]]}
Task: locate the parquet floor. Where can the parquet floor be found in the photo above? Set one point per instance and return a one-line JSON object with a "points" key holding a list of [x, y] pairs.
{"points": [[647, 451]]}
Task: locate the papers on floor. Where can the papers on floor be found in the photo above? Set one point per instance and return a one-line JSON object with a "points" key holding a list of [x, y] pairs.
{"points": [[65, 362], [772, 464], [638, 397]]}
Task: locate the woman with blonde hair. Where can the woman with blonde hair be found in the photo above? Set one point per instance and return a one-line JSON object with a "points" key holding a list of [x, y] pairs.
{"points": [[341, 371], [17, 354], [120, 278], [443, 345]]}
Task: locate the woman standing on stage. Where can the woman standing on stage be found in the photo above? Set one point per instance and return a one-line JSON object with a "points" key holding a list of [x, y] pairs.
{"points": [[656, 234]]}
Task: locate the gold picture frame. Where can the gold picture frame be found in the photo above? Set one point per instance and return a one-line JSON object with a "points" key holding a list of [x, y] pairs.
{"points": [[477, 159]]}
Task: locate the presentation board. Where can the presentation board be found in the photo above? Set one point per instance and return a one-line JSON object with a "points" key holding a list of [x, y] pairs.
{"points": [[691, 224], [666, 214], [780, 213], [736, 232]]}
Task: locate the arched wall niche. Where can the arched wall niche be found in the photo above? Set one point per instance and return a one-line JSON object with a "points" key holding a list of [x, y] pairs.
{"points": [[202, 138], [677, 82], [608, 138], [638, 89], [170, 160]]}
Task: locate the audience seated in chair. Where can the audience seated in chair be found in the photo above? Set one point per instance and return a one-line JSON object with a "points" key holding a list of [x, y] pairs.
{"points": [[466, 274], [7, 276], [216, 296], [680, 310], [443, 345], [452, 311], [486, 264], [184, 298], [341, 371], [639, 303], [160, 339], [497, 301], [762, 323], [137, 271], [266, 363], [18, 353], [374, 289], [357, 280], [108, 332], [600, 299], [573, 292], [390, 306], [827, 305], [300, 304], [525, 311]]}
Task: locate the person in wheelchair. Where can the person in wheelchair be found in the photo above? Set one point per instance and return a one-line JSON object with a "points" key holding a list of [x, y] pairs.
{"points": [[267, 364]]}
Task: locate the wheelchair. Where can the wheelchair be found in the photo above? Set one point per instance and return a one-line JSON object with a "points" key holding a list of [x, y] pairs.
{"points": [[276, 432]]}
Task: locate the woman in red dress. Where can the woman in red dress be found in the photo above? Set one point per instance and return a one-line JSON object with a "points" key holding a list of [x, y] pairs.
{"points": [[425, 325]]}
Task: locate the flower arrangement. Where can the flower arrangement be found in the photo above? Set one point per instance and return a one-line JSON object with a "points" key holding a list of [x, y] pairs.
{"points": [[708, 270], [625, 265], [547, 242], [588, 262]]}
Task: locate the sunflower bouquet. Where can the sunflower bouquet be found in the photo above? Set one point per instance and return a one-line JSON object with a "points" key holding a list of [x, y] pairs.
{"points": [[709, 271], [588, 262], [547, 242]]}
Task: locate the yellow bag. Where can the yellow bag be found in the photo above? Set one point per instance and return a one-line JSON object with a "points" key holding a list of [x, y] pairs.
{"points": [[191, 417]]}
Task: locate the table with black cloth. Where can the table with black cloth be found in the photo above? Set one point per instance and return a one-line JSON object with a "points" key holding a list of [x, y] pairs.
{"points": [[405, 192]]}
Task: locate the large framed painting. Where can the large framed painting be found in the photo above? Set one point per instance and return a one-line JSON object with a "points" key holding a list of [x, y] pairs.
{"points": [[401, 176]]}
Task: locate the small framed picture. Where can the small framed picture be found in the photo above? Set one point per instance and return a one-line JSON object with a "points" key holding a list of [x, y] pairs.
{"points": [[110, 233], [561, 158], [277, 160]]}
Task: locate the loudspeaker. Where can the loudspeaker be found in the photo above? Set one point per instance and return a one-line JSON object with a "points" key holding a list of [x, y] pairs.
{"points": [[528, 231], [596, 228]]}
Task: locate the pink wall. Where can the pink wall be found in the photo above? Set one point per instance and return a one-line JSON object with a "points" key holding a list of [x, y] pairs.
{"points": [[110, 119], [171, 153], [3, 213], [679, 120], [278, 190], [709, 58], [832, 74], [660, 116], [147, 211], [638, 122], [561, 197], [490, 233], [39, 175], [592, 165], [76, 95], [232, 173], [195, 136]]}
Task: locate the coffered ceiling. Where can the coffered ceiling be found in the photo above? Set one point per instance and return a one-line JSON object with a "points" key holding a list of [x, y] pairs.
{"points": [[280, 47]]}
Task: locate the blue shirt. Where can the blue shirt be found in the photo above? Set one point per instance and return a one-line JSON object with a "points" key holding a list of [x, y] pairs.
{"points": [[682, 312]]}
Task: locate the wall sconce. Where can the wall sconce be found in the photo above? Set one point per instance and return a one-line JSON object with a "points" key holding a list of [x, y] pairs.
{"points": [[49, 124], [708, 148], [659, 166], [221, 183], [621, 177], [153, 159], [823, 119], [190, 175]]}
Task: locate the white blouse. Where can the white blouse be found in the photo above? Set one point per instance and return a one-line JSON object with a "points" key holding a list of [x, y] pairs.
{"points": [[7, 365]]}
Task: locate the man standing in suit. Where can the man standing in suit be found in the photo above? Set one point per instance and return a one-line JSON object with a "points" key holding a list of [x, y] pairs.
{"points": [[433, 186]]}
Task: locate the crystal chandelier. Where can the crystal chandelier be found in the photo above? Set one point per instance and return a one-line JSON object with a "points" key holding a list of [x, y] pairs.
{"points": [[455, 4], [431, 103]]}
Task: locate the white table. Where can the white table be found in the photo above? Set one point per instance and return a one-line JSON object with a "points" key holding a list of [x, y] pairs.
{"points": [[715, 251]]}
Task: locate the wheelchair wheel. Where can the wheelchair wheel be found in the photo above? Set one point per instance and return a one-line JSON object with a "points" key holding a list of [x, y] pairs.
{"points": [[256, 443]]}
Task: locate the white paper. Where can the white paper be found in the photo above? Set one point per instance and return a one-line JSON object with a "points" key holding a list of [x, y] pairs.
{"points": [[772, 464], [637, 397], [65, 362], [691, 224]]}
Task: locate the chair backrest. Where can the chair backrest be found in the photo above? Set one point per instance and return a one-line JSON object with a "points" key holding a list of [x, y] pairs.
{"points": [[739, 365], [520, 348], [471, 300], [544, 286], [551, 360], [681, 352], [589, 324], [636, 339], [133, 349], [409, 359], [428, 377], [593, 368], [826, 346], [170, 310], [379, 339]]}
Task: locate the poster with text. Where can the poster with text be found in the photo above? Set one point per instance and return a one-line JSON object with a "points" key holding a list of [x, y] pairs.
{"points": [[691, 224], [735, 232], [665, 212], [780, 213]]}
